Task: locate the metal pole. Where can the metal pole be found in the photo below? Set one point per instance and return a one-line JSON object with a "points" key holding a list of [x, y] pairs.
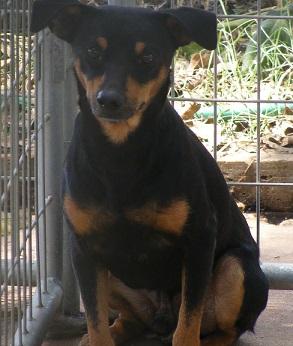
{"points": [[71, 300], [280, 275], [50, 156]]}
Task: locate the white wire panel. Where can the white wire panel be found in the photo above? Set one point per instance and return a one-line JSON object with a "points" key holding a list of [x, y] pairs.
{"points": [[19, 129]]}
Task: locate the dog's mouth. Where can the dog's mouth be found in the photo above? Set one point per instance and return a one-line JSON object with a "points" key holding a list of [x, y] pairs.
{"points": [[110, 120], [116, 116]]}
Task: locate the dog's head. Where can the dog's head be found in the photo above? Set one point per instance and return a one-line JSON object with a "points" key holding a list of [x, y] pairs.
{"points": [[123, 55]]}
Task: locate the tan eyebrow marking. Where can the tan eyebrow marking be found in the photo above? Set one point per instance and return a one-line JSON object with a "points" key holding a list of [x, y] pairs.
{"points": [[102, 41], [139, 47]]}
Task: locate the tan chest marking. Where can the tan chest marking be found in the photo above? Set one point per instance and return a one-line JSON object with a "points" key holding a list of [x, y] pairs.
{"points": [[86, 220], [118, 132], [170, 219]]}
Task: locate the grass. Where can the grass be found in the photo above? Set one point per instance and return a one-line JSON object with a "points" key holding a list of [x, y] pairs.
{"points": [[237, 71]]}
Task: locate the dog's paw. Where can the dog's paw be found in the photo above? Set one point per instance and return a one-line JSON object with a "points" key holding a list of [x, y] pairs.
{"points": [[84, 341]]}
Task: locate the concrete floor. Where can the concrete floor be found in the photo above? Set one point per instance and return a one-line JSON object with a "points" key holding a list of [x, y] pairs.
{"points": [[275, 325]]}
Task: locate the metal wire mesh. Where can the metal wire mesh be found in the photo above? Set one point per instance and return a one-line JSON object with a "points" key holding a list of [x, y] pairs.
{"points": [[24, 118], [21, 212], [257, 15]]}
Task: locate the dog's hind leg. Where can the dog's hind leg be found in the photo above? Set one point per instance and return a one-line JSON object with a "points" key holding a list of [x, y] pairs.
{"points": [[227, 294], [136, 308], [239, 293]]}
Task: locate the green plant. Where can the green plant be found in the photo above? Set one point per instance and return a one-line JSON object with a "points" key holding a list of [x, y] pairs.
{"points": [[276, 46], [237, 71]]}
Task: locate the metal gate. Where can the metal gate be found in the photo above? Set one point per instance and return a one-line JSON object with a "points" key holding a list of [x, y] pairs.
{"points": [[37, 105]]}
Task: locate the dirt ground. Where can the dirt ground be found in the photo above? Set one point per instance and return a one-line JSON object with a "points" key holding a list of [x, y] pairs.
{"points": [[275, 325]]}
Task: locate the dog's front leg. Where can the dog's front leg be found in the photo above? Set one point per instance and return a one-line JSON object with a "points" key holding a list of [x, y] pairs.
{"points": [[93, 282], [196, 273]]}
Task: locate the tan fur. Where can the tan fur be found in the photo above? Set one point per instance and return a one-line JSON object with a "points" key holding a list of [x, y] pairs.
{"points": [[226, 298], [139, 47], [229, 292], [170, 219], [187, 332], [86, 220], [143, 93], [136, 310], [222, 305], [100, 334], [118, 331], [102, 42], [132, 302], [137, 94], [91, 86], [119, 132], [79, 73]]}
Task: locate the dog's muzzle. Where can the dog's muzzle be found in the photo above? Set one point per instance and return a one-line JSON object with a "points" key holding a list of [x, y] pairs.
{"points": [[110, 106]]}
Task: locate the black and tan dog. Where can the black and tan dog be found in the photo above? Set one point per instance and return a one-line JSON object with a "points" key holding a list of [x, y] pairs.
{"points": [[156, 235]]}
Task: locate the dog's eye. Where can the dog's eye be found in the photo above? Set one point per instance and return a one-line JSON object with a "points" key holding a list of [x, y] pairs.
{"points": [[95, 54], [146, 59]]}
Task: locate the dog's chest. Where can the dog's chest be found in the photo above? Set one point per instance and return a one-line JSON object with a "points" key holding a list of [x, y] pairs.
{"points": [[169, 218], [141, 246]]}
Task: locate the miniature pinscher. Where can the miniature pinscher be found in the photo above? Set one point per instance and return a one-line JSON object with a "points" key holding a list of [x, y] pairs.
{"points": [[156, 235]]}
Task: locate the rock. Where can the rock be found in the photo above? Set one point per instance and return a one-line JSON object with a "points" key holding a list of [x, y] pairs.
{"points": [[274, 167]]}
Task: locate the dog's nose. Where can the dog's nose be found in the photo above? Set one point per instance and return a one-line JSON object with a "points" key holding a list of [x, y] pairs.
{"points": [[110, 99]]}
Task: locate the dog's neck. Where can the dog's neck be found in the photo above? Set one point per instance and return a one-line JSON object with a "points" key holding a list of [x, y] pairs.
{"points": [[126, 166], [123, 169]]}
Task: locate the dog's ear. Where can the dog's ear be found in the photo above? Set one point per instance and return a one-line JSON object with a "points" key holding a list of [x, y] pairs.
{"points": [[189, 24], [61, 16]]}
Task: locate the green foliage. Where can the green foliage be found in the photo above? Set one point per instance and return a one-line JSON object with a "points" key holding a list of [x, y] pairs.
{"points": [[238, 69], [276, 41], [189, 49]]}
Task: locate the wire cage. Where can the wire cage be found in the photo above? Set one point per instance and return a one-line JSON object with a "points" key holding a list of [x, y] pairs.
{"points": [[37, 108]]}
